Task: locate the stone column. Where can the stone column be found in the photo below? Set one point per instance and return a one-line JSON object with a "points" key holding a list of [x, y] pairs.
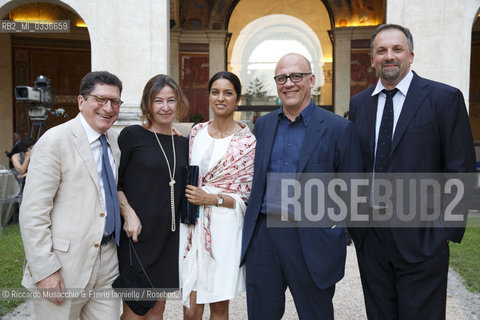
{"points": [[441, 36], [343, 39], [132, 41], [216, 48], [327, 88], [216, 45], [174, 56]]}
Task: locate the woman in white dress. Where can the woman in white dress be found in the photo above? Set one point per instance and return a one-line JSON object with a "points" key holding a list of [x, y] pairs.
{"points": [[224, 150]]}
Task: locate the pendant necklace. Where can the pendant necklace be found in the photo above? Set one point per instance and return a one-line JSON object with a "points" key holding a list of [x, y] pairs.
{"points": [[172, 176]]}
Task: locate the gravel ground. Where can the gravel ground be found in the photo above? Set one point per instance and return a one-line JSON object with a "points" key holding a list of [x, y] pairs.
{"points": [[348, 300]]}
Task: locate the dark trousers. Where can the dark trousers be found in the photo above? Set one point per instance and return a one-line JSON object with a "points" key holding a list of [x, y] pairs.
{"points": [[274, 261], [397, 289]]}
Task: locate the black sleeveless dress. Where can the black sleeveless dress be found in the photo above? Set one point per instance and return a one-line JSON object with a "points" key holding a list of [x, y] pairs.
{"points": [[144, 178]]}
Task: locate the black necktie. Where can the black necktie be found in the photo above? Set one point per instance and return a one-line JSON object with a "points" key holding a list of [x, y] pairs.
{"points": [[385, 134], [111, 196]]}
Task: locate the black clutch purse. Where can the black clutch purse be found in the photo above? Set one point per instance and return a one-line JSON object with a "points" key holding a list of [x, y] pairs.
{"points": [[189, 211]]}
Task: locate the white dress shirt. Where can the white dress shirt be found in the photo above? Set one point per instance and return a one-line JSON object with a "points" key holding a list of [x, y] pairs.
{"points": [[96, 147], [398, 101]]}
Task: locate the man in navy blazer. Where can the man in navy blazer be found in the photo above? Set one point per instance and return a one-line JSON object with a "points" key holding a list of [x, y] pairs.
{"points": [[404, 270], [299, 137]]}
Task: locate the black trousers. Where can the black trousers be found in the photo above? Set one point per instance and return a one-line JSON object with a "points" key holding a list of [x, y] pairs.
{"points": [[397, 289]]}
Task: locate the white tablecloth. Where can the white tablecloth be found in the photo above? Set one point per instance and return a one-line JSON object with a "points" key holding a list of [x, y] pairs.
{"points": [[9, 188]]}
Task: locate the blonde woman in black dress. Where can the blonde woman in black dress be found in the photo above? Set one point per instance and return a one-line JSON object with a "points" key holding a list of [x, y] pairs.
{"points": [[150, 192]]}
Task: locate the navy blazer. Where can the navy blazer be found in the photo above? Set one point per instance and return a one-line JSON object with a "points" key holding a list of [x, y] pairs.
{"points": [[329, 146], [433, 134]]}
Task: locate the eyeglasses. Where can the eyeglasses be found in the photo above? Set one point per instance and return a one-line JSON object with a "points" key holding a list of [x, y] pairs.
{"points": [[116, 103], [295, 77]]}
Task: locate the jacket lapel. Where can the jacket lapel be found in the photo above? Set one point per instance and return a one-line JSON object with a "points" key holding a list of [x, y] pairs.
{"points": [[313, 137], [415, 97], [371, 116], [80, 141], [268, 139]]}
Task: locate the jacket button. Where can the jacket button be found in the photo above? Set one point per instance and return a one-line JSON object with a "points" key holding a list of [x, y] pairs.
{"points": [[96, 245], [102, 215]]}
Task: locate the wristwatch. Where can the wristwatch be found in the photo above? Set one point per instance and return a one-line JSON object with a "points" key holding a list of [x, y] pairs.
{"points": [[219, 200]]}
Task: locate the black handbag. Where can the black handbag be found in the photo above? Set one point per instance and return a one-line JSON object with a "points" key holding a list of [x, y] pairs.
{"points": [[137, 280], [189, 211]]}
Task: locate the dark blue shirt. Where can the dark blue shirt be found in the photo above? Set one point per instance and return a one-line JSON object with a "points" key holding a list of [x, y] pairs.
{"points": [[288, 144]]}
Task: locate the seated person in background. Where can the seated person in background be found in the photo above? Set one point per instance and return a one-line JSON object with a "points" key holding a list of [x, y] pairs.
{"points": [[16, 140], [21, 159], [20, 163]]}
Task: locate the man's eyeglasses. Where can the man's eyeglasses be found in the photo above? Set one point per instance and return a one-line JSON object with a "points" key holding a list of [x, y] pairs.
{"points": [[295, 77], [116, 103]]}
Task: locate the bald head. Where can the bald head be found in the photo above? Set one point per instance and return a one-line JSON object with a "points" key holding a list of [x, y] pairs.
{"points": [[294, 80], [294, 57]]}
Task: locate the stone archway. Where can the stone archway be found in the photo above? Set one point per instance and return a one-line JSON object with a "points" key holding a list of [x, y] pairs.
{"points": [[309, 32], [285, 34], [8, 5]]}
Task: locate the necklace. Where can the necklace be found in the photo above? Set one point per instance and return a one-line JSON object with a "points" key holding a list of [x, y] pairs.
{"points": [[171, 175], [220, 135]]}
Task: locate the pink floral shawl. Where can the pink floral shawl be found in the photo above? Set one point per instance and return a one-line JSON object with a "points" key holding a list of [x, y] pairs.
{"points": [[232, 174]]}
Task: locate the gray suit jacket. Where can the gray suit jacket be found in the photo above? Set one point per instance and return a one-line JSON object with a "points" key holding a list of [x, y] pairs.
{"points": [[62, 214]]}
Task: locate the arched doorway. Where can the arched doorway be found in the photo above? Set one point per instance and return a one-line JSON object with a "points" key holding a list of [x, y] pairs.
{"points": [[62, 57], [260, 34], [255, 54]]}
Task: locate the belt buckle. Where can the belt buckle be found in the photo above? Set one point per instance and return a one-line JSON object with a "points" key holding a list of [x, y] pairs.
{"points": [[106, 239]]}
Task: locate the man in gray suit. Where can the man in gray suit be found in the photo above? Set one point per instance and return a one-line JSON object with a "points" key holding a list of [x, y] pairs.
{"points": [[69, 205]]}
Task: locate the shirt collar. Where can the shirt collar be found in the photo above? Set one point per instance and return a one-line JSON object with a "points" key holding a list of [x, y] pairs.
{"points": [[92, 135], [305, 115], [402, 86]]}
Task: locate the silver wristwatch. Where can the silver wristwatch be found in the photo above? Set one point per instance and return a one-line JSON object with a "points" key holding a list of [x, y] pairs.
{"points": [[219, 200]]}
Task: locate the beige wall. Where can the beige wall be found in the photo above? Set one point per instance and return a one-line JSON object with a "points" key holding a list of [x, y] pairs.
{"points": [[6, 98]]}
